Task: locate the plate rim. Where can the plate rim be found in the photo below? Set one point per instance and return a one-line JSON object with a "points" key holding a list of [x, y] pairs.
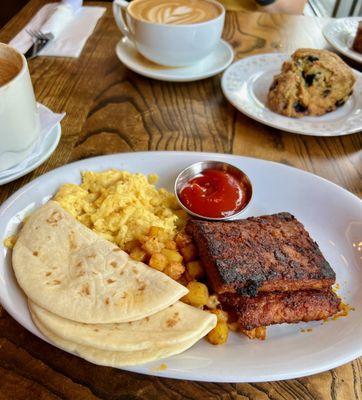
{"points": [[326, 33], [174, 78], [56, 133], [266, 377], [299, 131]]}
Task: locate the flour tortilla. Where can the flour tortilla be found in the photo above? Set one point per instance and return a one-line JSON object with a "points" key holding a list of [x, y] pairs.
{"points": [[69, 270], [119, 359], [175, 324]]}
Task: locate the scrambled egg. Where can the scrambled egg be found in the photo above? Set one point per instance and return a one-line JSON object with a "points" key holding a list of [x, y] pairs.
{"points": [[121, 206]]}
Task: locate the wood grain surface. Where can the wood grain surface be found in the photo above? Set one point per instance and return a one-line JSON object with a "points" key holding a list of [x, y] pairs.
{"points": [[111, 109]]}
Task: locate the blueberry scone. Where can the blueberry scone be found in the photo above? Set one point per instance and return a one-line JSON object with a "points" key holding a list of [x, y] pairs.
{"points": [[313, 82]]}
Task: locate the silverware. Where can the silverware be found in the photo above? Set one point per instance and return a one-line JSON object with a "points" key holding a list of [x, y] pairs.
{"points": [[194, 169], [40, 40]]}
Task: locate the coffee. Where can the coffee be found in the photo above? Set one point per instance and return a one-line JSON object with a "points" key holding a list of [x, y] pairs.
{"points": [[10, 65], [174, 12]]}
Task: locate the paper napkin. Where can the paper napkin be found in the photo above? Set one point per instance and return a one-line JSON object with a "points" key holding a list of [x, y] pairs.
{"points": [[72, 37]]}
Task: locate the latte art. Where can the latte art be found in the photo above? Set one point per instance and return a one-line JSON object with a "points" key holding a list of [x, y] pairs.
{"points": [[177, 12]]}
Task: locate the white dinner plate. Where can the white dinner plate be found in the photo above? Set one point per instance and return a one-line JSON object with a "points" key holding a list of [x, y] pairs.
{"points": [[246, 84], [212, 65], [340, 34], [332, 215]]}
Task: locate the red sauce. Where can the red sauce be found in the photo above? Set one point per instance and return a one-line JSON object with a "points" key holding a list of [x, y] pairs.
{"points": [[213, 193]]}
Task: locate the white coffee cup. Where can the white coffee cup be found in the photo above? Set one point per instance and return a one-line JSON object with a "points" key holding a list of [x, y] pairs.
{"points": [[19, 118], [168, 44]]}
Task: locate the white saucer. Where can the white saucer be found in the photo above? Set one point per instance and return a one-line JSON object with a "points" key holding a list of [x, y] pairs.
{"points": [[213, 64], [246, 84], [47, 148], [340, 34]]}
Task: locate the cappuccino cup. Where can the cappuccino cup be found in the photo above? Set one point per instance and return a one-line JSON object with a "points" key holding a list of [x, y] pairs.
{"points": [[19, 119], [173, 33]]}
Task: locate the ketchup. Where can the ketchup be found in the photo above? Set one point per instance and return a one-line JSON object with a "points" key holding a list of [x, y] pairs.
{"points": [[213, 193]]}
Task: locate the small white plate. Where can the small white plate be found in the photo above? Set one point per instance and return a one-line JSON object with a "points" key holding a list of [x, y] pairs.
{"points": [[213, 64], [333, 217], [47, 148], [246, 84], [340, 34]]}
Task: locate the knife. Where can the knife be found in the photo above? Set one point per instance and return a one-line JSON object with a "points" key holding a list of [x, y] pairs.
{"points": [[50, 30]]}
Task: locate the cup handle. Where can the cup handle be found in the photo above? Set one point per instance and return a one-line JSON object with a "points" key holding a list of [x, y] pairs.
{"points": [[119, 6]]}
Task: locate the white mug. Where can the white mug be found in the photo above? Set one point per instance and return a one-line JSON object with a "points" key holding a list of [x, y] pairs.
{"points": [[19, 118], [167, 44]]}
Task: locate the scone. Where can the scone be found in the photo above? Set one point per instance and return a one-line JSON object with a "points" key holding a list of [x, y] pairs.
{"points": [[313, 82]]}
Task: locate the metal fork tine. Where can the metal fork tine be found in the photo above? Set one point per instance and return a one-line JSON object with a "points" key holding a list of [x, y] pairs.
{"points": [[43, 36], [40, 40], [30, 33]]}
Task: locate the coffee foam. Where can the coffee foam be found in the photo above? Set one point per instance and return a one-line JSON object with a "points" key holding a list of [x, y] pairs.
{"points": [[177, 12]]}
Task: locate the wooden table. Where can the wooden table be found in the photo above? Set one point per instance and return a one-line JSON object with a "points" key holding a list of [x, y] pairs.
{"points": [[111, 109]]}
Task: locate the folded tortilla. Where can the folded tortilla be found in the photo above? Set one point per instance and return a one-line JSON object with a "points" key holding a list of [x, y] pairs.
{"points": [[69, 270], [176, 324], [119, 359]]}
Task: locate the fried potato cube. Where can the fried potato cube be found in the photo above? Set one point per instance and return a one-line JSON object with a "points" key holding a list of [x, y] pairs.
{"points": [[256, 333], [159, 233], [170, 244], [174, 270], [189, 252], [182, 240], [222, 316], [152, 245], [138, 254], [219, 334], [198, 294], [173, 256], [130, 245], [182, 214], [213, 302], [195, 270], [155, 230], [158, 261]]}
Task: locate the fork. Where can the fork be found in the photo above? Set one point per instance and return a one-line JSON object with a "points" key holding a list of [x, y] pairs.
{"points": [[40, 41]]}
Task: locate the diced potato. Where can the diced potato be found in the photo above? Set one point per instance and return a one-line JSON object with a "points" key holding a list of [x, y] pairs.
{"points": [[189, 252], [129, 246], [182, 240], [195, 270], [159, 233], [158, 261], [198, 294], [222, 316], [170, 244], [213, 302], [154, 231], [172, 255], [152, 245], [138, 254], [256, 333], [182, 214], [174, 270], [219, 334]]}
